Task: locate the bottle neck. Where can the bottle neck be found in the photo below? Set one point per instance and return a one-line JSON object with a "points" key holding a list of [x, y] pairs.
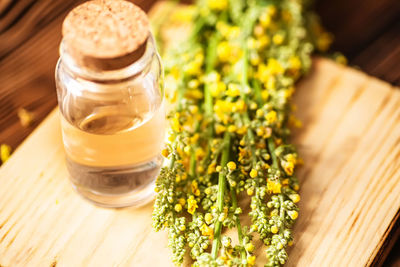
{"points": [[109, 70]]}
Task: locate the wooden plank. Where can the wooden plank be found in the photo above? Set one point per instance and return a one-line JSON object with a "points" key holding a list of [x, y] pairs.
{"points": [[350, 187]]}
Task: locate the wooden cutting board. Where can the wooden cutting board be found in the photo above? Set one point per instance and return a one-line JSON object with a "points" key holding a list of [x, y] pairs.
{"points": [[350, 192]]}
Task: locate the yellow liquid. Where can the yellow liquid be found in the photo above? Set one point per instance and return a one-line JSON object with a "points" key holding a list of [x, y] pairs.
{"points": [[108, 138]]}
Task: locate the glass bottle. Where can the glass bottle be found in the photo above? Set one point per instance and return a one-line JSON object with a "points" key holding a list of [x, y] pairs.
{"points": [[113, 124]]}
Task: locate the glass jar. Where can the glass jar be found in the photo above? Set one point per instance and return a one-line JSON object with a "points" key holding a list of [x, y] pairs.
{"points": [[113, 124]]}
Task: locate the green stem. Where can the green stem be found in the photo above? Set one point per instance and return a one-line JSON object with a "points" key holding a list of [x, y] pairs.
{"points": [[221, 195], [257, 92], [211, 57], [171, 163], [271, 147], [192, 168], [238, 225]]}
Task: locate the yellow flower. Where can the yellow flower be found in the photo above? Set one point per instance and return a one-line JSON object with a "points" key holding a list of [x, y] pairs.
{"points": [[270, 82], [288, 167], [211, 77], [291, 158], [265, 19], [254, 59], [242, 130], [249, 247], [295, 62], [165, 152], [184, 176], [260, 131], [194, 94], [258, 30], [199, 153], [208, 191], [224, 51], [187, 150], [240, 106], [295, 197], [263, 41], [208, 218], [176, 126], [253, 173], [271, 10], [217, 88], [211, 168], [234, 32], [232, 128], [220, 128], [174, 72], [271, 117], [194, 138], [267, 132], [293, 214], [194, 186], [217, 4], [200, 169], [274, 186], [252, 43], [231, 165], [264, 94], [193, 84], [278, 39], [199, 58], [274, 229], [223, 28], [274, 66], [259, 113], [192, 205], [251, 260], [182, 201], [192, 68], [250, 191], [233, 90], [206, 230], [178, 207]]}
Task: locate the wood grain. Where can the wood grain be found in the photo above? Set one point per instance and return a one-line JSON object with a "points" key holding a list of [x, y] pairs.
{"points": [[366, 31], [350, 187]]}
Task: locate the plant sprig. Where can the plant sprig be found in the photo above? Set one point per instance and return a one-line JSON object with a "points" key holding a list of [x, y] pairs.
{"points": [[232, 82]]}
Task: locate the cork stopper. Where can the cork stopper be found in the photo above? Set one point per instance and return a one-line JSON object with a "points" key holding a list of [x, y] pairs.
{"points": [[106, 34]]}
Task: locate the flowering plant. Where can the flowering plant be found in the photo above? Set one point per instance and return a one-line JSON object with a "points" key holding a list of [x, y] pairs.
{"points": [[232, 83]]}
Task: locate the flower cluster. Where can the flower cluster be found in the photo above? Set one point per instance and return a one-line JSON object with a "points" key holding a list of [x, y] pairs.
{"points": [[231, 84]]}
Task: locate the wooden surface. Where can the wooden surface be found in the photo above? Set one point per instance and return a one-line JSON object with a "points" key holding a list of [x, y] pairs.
{"points": [[350, 187], [367, 32]]}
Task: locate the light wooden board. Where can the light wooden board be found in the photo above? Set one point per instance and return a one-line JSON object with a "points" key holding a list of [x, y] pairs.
{"points": [[350, 192]]}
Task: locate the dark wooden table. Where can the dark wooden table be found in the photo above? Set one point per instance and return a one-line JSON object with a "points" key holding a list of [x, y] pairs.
{"points": [[367, 32]]}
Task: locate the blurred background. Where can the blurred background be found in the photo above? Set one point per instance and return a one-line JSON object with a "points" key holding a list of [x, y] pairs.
{"points": [[367, 32]]}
